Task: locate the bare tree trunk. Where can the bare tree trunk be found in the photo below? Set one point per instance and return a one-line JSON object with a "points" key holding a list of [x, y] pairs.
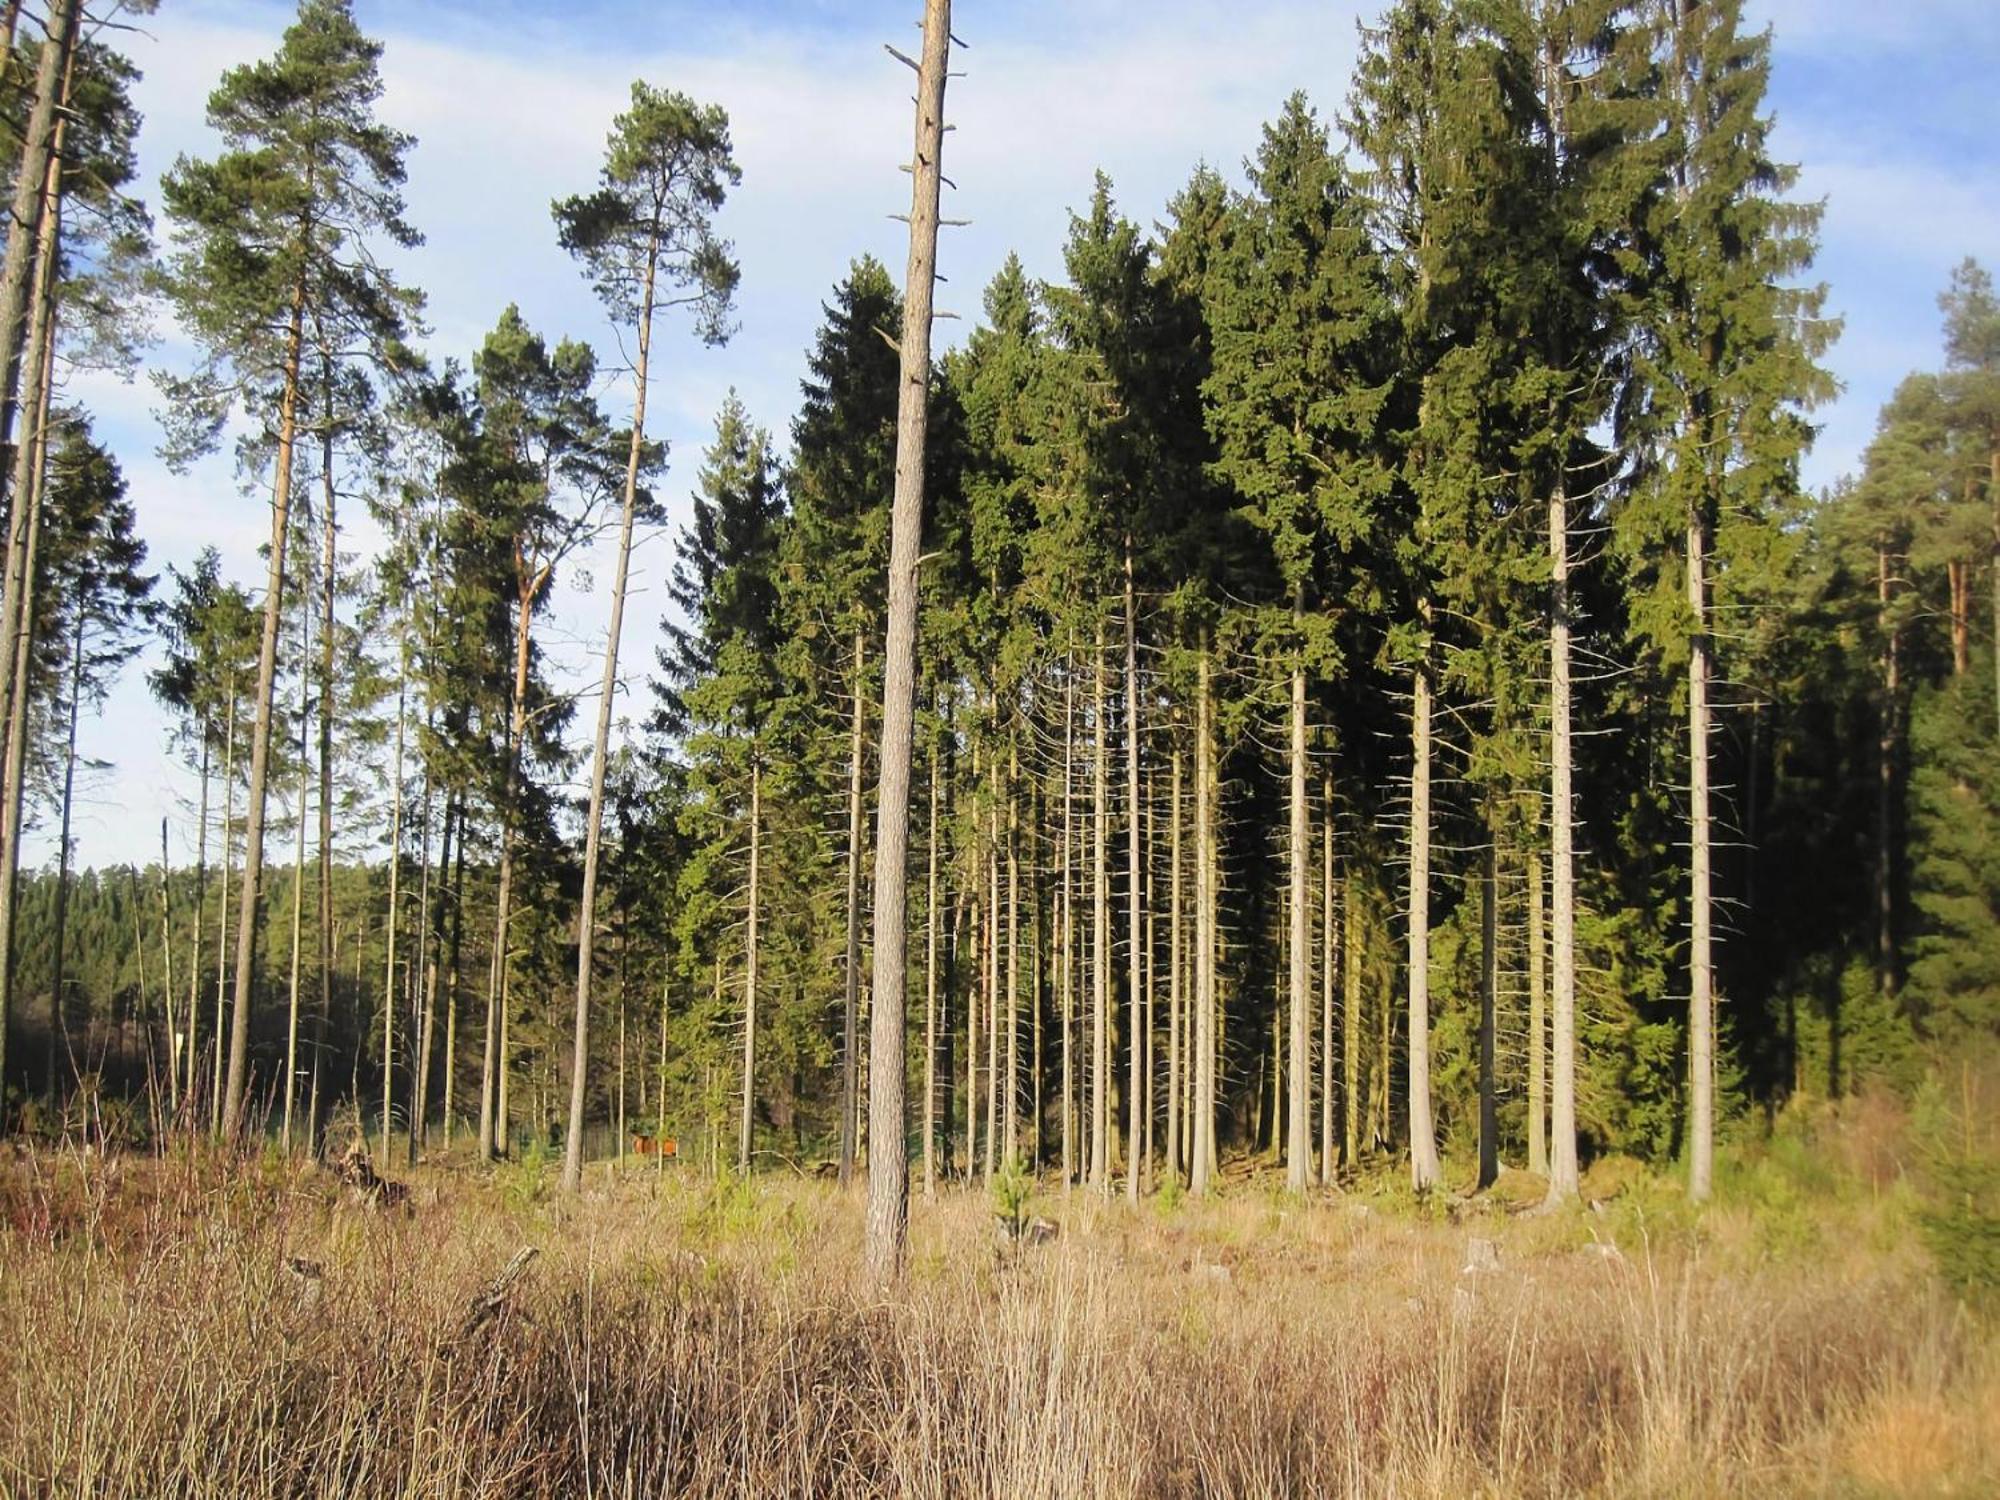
{"points": [[1135, 978], [1298, 1135], [260, 733], [1538, 948], [586, 945], [427, 969], [189, 1047], [30, 300], [1350, 1020], [888, 1158], [167, 960], [60, 945], [1562, 826], [1176, 1029], [850, 1055], [931, 981], [1012, 1009], [1701, 970], [395, 904], [1100, 896], [993, 980], [743, 1141], [1067, 926], [451, 978], [1329, 965], [41, 143], [1885, 789], [1489, 1000], [222, 937], [298, 885], [1203, 1080], [1423, 1134]]}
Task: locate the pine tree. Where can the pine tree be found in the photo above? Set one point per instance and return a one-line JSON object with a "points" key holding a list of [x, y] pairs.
{"points": [[647, 241], [264, 235]]}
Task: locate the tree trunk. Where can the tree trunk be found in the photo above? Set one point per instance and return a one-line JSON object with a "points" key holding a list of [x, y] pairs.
{"points": [[1298, 1133], [60, 943], [260, 733], [1350, 1021], [167, 960], [1701, 963], [1538, 948], [1202, 1084], [931, 980], [222, 936], [1012, 1008], [395, 904], [189, 1046], [1327, 970], [750, 968], [1885, 791], [1423, 1134], [40, 147], [850, 1015], [1489, 1002], [1100, 896], [586, 937], [298, 888], [38, 217], [329, 635], [1562, 1110], [1066, 925], [1135, 981], [888, 1160], [1176, 1031]]}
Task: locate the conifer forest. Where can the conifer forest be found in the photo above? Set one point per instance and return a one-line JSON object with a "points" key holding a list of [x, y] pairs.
{"points": [[1329, 737]]}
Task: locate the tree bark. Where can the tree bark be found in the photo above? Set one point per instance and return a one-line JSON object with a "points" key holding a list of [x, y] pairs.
{"points": [[1135, 975], [298, 889], [1538, 948], [1202, 1083], [850, 1015], [1489, 1001], [1562, 1018], [1423, 1134], [1701, 963], [743, 1139], [888, 1158], [395, 904], [1067, 926], [1350, 1021], [1298, 1133], [1100, 896], [931, 981], [1175, 1007], [1328, 969], [586, 938], [260, 733]]}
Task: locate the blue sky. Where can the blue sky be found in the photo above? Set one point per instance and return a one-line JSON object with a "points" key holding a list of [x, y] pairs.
{"points": [[1888, 109]]}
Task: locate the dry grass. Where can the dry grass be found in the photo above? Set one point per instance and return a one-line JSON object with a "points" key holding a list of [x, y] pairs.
{"points": [[677, 1337]]}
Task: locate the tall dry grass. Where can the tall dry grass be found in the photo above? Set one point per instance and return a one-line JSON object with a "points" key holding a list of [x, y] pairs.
{"points": [[676, 1337]]}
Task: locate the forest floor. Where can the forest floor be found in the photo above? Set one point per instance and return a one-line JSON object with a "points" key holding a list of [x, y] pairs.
{"points": [[174, 1324]]}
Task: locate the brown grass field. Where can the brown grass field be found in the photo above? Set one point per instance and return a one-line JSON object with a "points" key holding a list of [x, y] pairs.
{"points": [[176, 1325]]}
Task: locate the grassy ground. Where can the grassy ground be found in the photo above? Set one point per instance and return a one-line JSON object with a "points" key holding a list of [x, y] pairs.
{"points": [[173, 1325]]}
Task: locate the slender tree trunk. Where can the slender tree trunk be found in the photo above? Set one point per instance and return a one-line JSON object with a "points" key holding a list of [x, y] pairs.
{"points": [[1489, 1002], [40, 144], [1328, 968], [1066, 924], [1701, 961], [993, 980], [260, 733], [329, 598], [1100, 896], [888, 1160], [1135, 975], [190, 1048], [1538, 1044], [931, 980], [1176, 1018], [1885, 790], [298, 887], [586, 945], [222, 937], [60, 947], [750, 968], [1423, 1134], [395, 911], [850, 1015], [427, 966], [1350, 1020], [167, 960], [1562, 1018], [451, 977], [1012, 1009], [1298, 1135], [29, 299], [1206, 896]]}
